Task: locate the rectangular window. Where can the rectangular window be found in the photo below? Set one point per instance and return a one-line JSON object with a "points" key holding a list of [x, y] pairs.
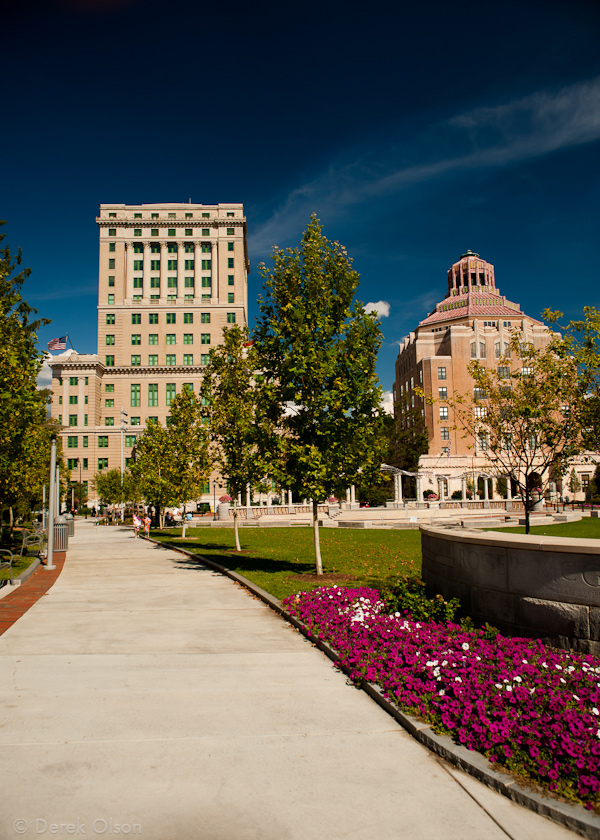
{"points": [[110, 318], [171, 282], [85, 419], [229, 262], [60, 399], [152, 419], [85, 441], [129, 440], [111, 300], [189, 215], [443, 412], [443, 393], [206, 265], [205, 247], [473, 350], [231, 279], [189, 265], [154, 284], [152, 360], [136, 396], [188, 317], [204, 318], [206, 282], [138, 265], [171, 338], [441, 373], [111, 262], [171, 391], [112, 247], [109, 361], [482, 443], [230, 297], [102, 463], [172, 248], [497, 351], [110, 403], [188, 282], [231, 317], [136, 361], [103, 441], [480, 411], [189, 232], [205, 338], [504, 372], [153, 338], [482, 353], [230, 246], [189, 246], [204, 358], [72, 463], [171, 317], [134, 421], [72, 442], [72, 419], [72, 380], [112, 231], [85, 466], [445, 433], [231, 232], [112, 215], [171, 231], [170, 359], [110, 339], [155, 248], [153, 396], [154, 265], [137, 231], [111, 280], [187, 386], [154, 232], [188, 359], [138, 283], [109, 421], [110, 389], [479, 393], [153, 318], [136, 318], [188, 338], [172, 265], [136, 338]]}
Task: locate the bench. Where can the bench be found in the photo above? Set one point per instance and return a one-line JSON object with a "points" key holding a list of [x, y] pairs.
{"points": [[7, 564], [33, 539]]}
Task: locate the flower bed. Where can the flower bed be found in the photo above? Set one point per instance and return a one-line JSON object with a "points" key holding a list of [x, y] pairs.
{"points": [[532, 710]]}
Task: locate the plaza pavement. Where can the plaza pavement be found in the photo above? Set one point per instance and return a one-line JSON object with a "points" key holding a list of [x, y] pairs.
{"points": [[147, 695]]}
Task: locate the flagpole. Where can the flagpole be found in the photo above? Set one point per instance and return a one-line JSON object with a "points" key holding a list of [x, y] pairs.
{"points": [[69, 337]]}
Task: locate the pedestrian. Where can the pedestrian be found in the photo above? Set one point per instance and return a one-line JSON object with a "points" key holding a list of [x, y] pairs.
{"points": [[147, 523], [137, 524]]}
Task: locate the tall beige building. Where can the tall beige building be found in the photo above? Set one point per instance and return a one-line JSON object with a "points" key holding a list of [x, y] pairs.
{"points": [[171, 277]]}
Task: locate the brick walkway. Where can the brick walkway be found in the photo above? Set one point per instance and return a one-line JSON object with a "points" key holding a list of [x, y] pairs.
{"points": [[13, 606]]}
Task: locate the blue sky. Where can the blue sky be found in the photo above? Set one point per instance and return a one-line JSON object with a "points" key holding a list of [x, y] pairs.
{"points": [[414, 132]]}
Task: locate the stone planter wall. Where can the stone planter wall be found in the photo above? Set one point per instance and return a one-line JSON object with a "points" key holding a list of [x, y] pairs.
{"points": [[545, 587]]}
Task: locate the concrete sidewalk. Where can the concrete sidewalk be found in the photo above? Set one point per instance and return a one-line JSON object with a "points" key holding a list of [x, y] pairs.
{"points": [[150, 696]]}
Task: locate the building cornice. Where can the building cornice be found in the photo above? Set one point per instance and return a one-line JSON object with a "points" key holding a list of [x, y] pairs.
{"points": [[177, 223]]}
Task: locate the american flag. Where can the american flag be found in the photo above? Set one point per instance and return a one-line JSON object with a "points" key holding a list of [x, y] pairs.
{"points": [[58, 343]]}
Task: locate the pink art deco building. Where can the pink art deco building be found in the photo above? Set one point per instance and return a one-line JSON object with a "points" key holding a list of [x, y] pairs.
{"points": [[473, 321]]}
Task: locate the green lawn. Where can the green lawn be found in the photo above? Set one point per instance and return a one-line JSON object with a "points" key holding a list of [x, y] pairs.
{"points": [[281, 560], [19, 565], [586, 528]]}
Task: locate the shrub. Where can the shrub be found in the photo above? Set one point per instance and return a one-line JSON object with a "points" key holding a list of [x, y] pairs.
{"points": [[407, 595]]}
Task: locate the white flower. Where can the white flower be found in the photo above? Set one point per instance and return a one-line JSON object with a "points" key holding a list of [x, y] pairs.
{"points": [[509, 687], [563, 681], [517, 679], [575, 697], [465, 646], [499, 685], [595, 711], [441, 692]]}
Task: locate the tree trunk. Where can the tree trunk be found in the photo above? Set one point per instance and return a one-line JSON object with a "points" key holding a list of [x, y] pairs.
{"points": [[183, 523], [235, 526], [317, 541], [527, 497]]}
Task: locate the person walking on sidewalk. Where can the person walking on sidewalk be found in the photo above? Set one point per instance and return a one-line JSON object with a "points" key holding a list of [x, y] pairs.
{"points": [[137, 524], [147, 523]]}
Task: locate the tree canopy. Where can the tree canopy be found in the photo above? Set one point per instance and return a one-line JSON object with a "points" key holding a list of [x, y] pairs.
{"points": [[234, 406], [24, 429], [527, 418], [317, 348]]}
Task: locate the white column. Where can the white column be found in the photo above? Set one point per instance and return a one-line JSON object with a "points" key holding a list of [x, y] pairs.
{"points": [[508, 488], [485, 489], [463, 488], [419, 488], [400, 497], [248, 497], [290, 498], [180, 255], [353, 494]]}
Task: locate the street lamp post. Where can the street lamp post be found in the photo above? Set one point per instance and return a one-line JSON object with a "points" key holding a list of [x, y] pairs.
{"points": [[124, 415]]}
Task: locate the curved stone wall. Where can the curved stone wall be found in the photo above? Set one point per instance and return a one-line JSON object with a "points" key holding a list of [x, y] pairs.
{"points": [[546, 587]]}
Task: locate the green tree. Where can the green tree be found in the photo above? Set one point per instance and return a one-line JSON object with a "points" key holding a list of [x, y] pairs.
{"points": [[528, 417], [153, 467], [408, 438], [232, 393], [317, 349], [574, 484], [24, 431]]}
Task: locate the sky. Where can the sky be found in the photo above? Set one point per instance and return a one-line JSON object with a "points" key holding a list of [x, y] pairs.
{"points": [[413, 131]]}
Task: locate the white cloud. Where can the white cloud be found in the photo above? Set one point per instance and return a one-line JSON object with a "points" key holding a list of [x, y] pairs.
{"points": [[381, 308], [387, 402], [44, 377], [486, 137]]}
